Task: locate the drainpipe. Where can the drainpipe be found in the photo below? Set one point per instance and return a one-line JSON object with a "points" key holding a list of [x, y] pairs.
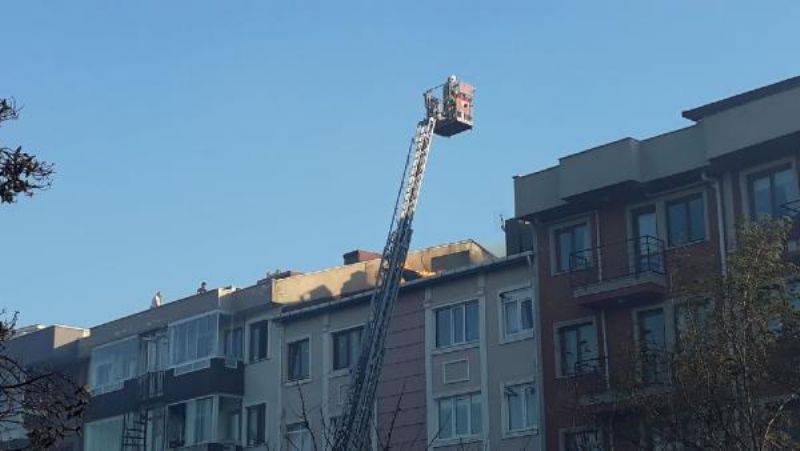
{"points": [[721, 231]]}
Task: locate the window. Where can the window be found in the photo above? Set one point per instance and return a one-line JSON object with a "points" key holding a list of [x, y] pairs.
{"points": [[258, 341], [298, 438], [517, 312], [233, 343], [189, 423], [583, 440], [652, 344], [572, 244], [111, 365], [690, 317], [521, 407], [686, 220], [104, 435], [346, 348], [770, 190], [298, 360], [646, 246], [193, 340], [457, 324], [229, 426], [256, 424], [460, 416], [578, 348]]}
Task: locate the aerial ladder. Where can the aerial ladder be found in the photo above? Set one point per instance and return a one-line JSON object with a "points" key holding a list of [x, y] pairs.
{"points": [[450, 115]]}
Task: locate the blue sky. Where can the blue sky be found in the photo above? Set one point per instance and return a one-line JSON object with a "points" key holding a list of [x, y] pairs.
{"points": [[216, 141]]}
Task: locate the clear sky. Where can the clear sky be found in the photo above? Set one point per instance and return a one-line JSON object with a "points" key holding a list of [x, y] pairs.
{"points": [[215, 141]]}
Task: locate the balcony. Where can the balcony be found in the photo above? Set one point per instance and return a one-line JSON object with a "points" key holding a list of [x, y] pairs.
{"points": [[634, 269]]}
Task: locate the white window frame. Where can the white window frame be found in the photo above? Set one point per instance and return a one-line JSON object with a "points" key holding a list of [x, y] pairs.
{"points": [[458, 439], [195, 364], [309, 359], [304, 433], [560, 374], [744, 180], [190, 441], [506, 413], [522, 334], [119, 385], [453, 345]]}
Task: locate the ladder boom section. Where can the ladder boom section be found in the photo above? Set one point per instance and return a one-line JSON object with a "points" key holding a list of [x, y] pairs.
{"points": [[353, 429]]}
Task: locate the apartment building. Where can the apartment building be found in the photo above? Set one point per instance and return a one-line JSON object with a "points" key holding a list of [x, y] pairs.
{"points": [[249, 368], [612, 226]]}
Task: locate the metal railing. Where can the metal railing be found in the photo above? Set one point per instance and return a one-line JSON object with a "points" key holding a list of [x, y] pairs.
{"points": [[632, 257], [790, 209]]}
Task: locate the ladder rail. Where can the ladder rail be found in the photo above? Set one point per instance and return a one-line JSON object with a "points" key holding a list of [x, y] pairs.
{"points": [[353, 432]]}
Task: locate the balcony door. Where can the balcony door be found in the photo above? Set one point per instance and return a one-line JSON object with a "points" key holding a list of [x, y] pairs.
{"points": [[646, 249]]}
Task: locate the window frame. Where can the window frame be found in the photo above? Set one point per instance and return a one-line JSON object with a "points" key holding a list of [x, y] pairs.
{"points": [[301, 429], [685, 200], [572, 324], [452, 343], [769, 172], [251, 352], [667, 313], [262, 411], [452, 398], [522, 333], [558, 230], [191, 441], [506, 412], [347, 331], [309, 360], [215, 346]]}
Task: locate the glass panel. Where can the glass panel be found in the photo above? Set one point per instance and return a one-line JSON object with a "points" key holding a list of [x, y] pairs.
{"points": [[229, 424], [445, 418], [527, 314], [565, 248], [783, 190], [475, 415], [113, 364], [677, 223], [569, 350], [176, 425], [298, 360], [530, 406], [458, 323], [511, 315], [588, 347], [652, 340], [104, 435], [463, 413], [443, 329], [202, 420], [697, 219], [355, 346], [762, 198], [645, 229], [472, 329], [579, 238], [515, 409]]}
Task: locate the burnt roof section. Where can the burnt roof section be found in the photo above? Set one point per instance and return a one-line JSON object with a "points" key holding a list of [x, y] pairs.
{"points": [[701, 112]]}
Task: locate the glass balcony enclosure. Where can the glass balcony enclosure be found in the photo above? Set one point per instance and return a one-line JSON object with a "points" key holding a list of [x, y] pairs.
{"points": [[210, 419], [186, 345]]}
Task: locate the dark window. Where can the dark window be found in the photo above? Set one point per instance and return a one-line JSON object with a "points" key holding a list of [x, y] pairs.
{"points": [[258, 341], [572, 244], [770, 190], [298, 360], [578, 351], [233, 343], [256, 424], [457, 324], [346, 348], [586, 440], [686, 220], [652, 344]]}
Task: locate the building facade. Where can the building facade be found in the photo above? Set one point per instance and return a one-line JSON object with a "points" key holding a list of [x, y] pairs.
{"points": [[612, 227]]}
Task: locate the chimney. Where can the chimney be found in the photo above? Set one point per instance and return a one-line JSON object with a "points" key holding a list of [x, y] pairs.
{"points": [[359, 255]]}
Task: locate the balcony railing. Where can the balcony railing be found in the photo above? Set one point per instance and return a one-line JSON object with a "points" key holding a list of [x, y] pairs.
{"points": [[633, 257], [791, 209]]}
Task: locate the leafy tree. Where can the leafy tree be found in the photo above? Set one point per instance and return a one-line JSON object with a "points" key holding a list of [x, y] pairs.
{"points": [[730, 378], [20, 173]]}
